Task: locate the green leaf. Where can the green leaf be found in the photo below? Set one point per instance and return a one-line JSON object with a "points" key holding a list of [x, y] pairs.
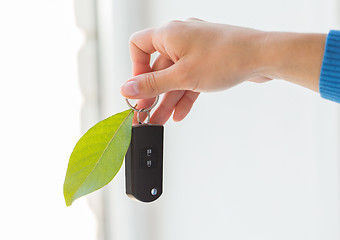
{"points": [[98, 156]]}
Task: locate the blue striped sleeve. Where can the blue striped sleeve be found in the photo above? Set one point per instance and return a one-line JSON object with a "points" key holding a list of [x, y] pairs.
{"points": [[329, 85]]}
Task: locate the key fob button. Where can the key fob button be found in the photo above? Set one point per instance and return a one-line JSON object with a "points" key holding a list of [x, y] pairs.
{"points": [[148, 158]]}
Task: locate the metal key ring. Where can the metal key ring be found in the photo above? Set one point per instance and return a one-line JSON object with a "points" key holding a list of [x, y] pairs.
{"points": [[147, 119], [143, 109]]}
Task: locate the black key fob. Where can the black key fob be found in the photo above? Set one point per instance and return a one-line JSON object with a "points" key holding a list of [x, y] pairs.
{"points": [[144, 163]]}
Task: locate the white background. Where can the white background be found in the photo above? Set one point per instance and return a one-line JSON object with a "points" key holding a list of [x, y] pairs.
{"points": [[253, 162], [40, 121]]}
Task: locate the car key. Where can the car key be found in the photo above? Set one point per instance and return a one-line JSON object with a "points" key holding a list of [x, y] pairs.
{"points": [[144, 163], [144, 159]]}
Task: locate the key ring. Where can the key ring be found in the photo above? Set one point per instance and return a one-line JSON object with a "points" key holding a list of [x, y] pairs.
{"points": [[143, 109], [147, 119], [147, 110]]}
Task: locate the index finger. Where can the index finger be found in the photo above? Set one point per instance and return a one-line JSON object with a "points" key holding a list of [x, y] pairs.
{"points": [[141, 48]]}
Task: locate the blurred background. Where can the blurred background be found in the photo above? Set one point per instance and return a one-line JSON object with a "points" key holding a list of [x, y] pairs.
{"points": [[255, 162]]}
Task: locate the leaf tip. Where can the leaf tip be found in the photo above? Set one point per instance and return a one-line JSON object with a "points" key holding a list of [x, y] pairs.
{"points": [[68, 202], [68, 199]]}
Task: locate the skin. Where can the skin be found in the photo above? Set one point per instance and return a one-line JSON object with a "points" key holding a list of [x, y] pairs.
{"points": [[197, 56]]}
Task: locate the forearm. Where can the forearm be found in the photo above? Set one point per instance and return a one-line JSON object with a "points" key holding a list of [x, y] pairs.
{"points": [[294, 57]]}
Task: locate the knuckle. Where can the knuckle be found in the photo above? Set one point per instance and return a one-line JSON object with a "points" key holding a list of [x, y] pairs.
{"points": [[150, 82], [193, 19], [133, 37], [174, 25], [171, 30], [136, 36]]}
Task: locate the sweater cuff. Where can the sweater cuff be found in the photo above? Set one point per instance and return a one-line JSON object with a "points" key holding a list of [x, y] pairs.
{"points": [[329, 85]]}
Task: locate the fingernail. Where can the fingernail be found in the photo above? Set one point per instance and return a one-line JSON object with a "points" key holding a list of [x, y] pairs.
{"points": [[129, 89]]}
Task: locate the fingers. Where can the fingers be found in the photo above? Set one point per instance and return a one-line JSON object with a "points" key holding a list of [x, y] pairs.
{"points": [[141, 47], [153, 83], [160, 63], [166, 107], [179, 101], [163, 77], [184, 106], [150, 82]]}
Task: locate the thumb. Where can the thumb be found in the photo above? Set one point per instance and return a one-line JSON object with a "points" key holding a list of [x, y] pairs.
{"points": [[150, 84]]}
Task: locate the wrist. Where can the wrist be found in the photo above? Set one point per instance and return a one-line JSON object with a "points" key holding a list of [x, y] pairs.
{"points": [[294, 57]]}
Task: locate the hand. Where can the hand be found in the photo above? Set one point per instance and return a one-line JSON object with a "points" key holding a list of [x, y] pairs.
{"points": [[197, 56]]}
